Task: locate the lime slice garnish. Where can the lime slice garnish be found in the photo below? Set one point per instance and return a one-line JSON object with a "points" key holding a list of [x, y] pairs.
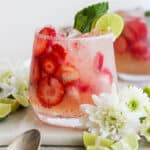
{"points": [[130, 142], [14, 104], [110, 22], [5, 109], [85, 17], [89, 139], [97, 148], [22, 100], [104, 142]]}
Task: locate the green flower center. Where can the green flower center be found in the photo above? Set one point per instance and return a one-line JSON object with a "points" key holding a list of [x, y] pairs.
{"points": [[133, 105], [113, 118]]}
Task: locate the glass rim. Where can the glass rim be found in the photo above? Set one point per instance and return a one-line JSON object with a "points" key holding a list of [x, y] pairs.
{"points": [[102, 36]]}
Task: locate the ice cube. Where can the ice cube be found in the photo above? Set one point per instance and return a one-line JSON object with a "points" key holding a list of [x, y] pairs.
{"points": [[74, 33], [69, 32]]}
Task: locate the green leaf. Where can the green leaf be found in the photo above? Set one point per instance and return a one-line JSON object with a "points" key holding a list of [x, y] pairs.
{"points": [[85, 17]]}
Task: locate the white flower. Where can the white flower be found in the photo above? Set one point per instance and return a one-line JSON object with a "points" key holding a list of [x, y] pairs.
{"points": [[6, 90], [145, 129], [106, 118], [136, 102], [15, 80]]}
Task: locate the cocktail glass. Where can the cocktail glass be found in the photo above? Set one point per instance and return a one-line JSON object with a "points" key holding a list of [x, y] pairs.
{"points": [[132, 48], [66, 71]]}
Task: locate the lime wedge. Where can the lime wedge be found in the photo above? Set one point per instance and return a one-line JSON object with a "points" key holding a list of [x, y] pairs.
{"points": [[110, 22], [117, 146], [130, 142], [104, 142], [97, 148], [84, 18], [22, 100], [89, 139], [14, 104], [5, 109]]}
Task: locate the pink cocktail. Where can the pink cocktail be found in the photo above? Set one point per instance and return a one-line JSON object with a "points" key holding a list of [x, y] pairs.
{"points": [[66, 71], [132, 48]]}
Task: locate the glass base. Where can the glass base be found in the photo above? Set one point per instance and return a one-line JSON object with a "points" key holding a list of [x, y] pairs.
{"points": [[63, 122], [140, 80]]}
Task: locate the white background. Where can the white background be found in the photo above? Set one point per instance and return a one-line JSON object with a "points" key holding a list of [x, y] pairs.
{"points": [[20, 18]]}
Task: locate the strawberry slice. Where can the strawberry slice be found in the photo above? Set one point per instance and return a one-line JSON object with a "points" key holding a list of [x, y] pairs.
{"points": [[35, 72], [129, 33], [48, 31], [41, 44], [98, 61], [49, 64], [50, 92], [59, 53], [139, 48], [143, 30], [107, 75], [69, 73], [139, 28], [120, 45]]}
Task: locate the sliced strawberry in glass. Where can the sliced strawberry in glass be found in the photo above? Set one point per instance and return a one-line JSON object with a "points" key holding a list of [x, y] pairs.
{"points": [[98, 61], [68, 73], [35, 71], [50, 92], [48, 63], [59, 53], [48, 31], [107, 75], [139, 48], [121, 44], [139, 28], [41, 44], [129, 33]]}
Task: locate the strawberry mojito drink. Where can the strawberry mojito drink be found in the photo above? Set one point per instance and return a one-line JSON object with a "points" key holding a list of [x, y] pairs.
{"points": [[66, 70], [132, 48]]}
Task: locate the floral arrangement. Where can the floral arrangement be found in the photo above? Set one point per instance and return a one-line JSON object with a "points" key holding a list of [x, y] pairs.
{"points": [[118, 119], [13, 87]]}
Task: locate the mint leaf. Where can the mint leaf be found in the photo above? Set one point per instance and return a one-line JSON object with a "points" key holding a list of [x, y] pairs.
{"points": [[85, 17]]}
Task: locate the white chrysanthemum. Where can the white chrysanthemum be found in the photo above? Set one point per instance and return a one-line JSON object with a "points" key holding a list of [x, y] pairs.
{"points": [[14, 81], [6, 90], [145, 129], [106, 117], [135, 102]]}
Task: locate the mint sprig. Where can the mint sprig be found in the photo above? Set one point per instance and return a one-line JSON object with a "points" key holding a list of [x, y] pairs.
{"points": [[85, 17]]}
